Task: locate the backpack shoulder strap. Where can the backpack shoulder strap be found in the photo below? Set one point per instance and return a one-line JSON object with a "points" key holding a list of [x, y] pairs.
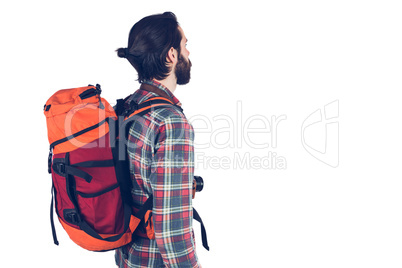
{"points": [[156, 90], [128, 108]]}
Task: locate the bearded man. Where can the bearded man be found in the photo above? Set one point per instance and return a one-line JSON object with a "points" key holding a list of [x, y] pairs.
{"points": [[161, 146]]}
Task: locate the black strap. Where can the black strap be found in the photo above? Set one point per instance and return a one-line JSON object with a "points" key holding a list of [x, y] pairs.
{"points": [[148, 205], [95, 163], [122, 169], [61, 168], [145, 207], [197, 217], [52, 220], [132, 106], [49, 161], [70, 170], [119, 108], [93, 91]]}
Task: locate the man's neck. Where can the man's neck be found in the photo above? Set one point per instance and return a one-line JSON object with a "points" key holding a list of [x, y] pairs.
{"points": [[169, 82]]}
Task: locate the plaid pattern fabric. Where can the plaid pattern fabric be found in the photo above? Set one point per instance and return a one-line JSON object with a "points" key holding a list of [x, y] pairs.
{"points": [[161, 154]]}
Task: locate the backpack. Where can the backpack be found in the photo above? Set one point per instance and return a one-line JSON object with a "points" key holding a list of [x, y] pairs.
{"points": [[91, 184]]}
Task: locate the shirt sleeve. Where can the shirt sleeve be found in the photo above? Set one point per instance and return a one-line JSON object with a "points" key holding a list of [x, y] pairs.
{"points": [[172, 174]]}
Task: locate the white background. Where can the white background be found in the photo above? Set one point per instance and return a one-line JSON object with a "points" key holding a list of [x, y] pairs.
{"points": [[275, 58]]}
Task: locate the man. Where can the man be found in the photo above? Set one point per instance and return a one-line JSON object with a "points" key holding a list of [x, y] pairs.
{"points": [[161, 146]]}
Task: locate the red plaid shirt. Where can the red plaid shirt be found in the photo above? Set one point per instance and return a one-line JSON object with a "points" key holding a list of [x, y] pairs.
{"points": [[161, 154]]}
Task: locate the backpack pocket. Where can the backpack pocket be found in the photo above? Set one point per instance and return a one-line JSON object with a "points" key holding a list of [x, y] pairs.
{"points": [[103, 211]]}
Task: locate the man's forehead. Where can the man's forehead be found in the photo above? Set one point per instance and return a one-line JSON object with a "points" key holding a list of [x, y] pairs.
{"points": [[182, 33]]}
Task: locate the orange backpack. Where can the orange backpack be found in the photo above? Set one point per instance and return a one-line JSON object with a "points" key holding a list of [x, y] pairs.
{"points": [[91, 184]]}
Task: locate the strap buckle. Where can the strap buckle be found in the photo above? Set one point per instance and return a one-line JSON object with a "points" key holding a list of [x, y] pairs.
{"points": [[60, 168], [130, 107], [71, 216]]}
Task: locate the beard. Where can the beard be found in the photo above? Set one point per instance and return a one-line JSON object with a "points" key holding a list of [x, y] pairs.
{"points": [[182, 71]]}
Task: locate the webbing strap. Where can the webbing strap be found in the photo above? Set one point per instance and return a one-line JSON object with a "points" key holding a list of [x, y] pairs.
{"points": [[145, 207], [61, 167], [156, 90], [197, 217], [95, 163], [52, 220], [148, 205], [148, 105]]}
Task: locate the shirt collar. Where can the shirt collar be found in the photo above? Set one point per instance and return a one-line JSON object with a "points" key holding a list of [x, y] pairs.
{"points": [[163, 88]]}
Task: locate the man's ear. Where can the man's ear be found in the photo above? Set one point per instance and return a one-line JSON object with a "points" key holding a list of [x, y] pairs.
{"points": [[172, 56]]}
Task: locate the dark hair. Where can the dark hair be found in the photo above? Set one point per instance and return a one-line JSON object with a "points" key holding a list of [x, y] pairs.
{"points": [[148, 45]]}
